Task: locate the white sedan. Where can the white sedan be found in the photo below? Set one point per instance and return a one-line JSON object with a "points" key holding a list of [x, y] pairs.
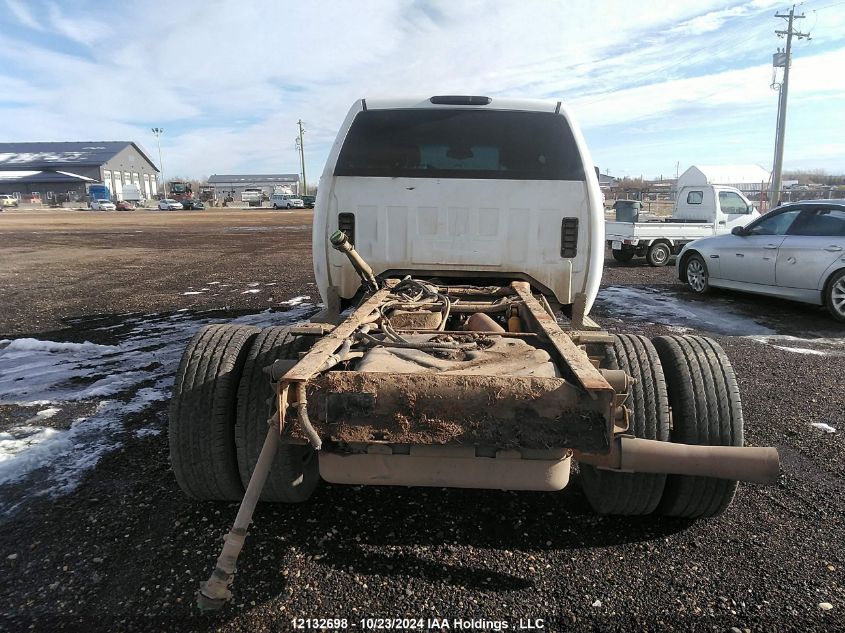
{"points": [[168, 204], [102, 205], [796, 251]]}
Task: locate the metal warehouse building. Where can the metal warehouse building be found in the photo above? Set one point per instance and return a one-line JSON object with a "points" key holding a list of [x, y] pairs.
{"points": [[234, 184], [749, 179], [63, 171]]}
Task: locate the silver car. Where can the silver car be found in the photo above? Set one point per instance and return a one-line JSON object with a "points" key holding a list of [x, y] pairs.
{"points": [[796, 251]]}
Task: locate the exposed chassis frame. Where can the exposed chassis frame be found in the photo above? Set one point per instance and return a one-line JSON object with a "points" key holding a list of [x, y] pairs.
{"points": [[575, 411], [582, 390]]}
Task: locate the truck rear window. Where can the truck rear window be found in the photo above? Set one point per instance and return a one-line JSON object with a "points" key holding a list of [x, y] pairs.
{"points": [[435, 143]]}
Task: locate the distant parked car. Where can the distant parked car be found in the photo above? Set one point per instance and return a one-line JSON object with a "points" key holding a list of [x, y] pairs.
{"points": [[124, 205], [7, 201], [796, 251], [169, 204], [102, 205], [309, 201], [192, 204], [286, 201]]}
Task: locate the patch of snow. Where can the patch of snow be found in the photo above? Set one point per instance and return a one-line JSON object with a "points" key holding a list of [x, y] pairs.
{"points": [[829, 346], [148, 395], [147, 431], [37, 372], [786, 338], [252, 284], [295, 301], [801, 350], [251, 291], [195, 292], [212, 283], [823, 427], [651, 305], [19, 345], [27, 448], [44, 414]]}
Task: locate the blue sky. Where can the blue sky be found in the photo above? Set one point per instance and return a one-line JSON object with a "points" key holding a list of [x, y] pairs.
{"points": [[652, 83]]}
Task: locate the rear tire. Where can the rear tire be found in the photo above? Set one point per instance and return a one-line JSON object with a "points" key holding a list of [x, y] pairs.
{"points": [[202, 413], [633, 493], [835, 296], [706, 410], [295, 471], [623, 256], [658, 254], [698, 279]]}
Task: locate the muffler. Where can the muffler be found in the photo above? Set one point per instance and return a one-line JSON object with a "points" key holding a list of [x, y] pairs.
{"points": [[738, 463]]}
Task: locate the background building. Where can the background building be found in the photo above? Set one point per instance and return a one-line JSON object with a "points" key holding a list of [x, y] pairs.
{"points": [[233, 184], [65, 170], [607, 182], [749, 179]]}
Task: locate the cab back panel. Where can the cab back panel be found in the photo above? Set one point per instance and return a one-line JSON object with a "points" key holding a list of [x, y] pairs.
{"points": [[456, 190], [498, 226]]}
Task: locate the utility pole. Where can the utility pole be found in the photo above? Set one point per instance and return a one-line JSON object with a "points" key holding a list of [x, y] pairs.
{"points": [[158, 132], [301, 146], [786, 59]]}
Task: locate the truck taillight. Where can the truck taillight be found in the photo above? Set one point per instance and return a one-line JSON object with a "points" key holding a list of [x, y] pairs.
{"points": [[346, 223], [569, 238]]}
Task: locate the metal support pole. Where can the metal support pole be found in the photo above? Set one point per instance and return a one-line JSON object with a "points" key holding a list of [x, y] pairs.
{"points": [[158, 132], [777, 170], [302, 158]]}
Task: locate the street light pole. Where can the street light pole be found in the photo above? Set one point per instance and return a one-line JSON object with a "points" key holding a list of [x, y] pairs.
{"points": [[158, 132]]}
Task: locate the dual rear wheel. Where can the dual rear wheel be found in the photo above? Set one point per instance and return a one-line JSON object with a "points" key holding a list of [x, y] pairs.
{"points": [[692, 377], [219, 413], [222, 401]]}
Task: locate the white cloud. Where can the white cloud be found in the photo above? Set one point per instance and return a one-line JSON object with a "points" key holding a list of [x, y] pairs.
{"points": [[229, 81], [23, 15], [79, 29], [709, 21]]}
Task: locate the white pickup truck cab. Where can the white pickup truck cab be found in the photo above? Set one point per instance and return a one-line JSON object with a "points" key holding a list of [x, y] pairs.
{"points": [[700, 211], [461, 187]]}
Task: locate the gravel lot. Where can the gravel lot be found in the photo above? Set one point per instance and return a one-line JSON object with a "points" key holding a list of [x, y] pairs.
{"points": [[103, 540]]}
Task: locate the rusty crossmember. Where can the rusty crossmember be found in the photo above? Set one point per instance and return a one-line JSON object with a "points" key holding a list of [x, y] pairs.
{"points": [[585, 373]]}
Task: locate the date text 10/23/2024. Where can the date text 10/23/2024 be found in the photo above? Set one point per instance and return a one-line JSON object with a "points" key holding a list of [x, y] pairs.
{"points": [[417, 624]]}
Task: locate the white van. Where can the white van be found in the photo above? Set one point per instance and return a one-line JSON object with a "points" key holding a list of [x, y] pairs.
{"points": [[459, 187], [286, 201]]}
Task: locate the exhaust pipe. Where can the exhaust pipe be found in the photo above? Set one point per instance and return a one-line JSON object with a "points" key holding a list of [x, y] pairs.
{"points": [[739, 463], [341, 243]]}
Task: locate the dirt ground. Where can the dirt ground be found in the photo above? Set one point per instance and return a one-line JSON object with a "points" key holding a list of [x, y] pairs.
{"points": [[62, 264], [121, 549]]}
